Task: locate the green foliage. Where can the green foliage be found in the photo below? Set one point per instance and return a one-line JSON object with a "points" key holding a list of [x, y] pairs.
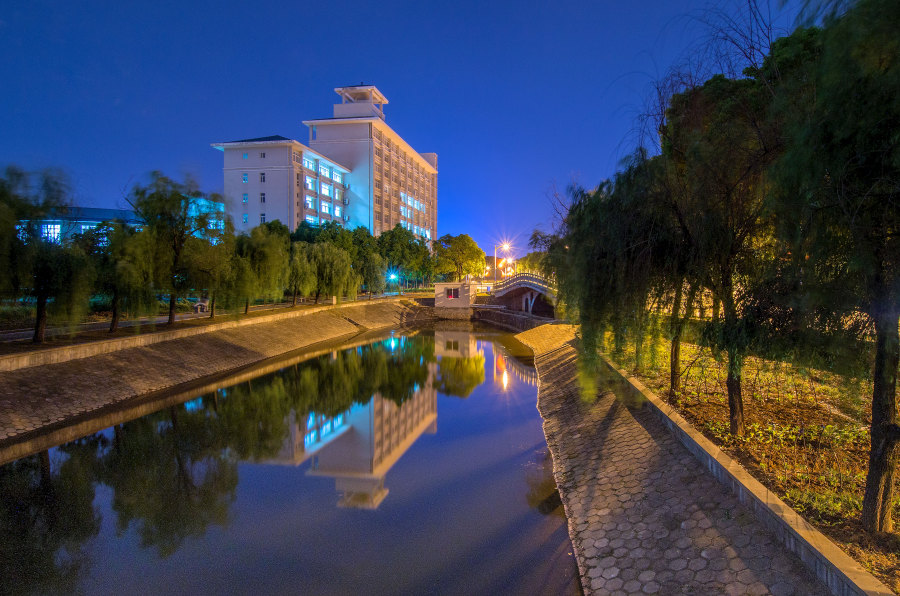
{"points": [[458, 256], [334, 273], [460, 376]]}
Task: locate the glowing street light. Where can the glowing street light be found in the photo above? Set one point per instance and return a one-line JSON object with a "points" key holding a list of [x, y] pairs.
{"points": [[505, 247]]}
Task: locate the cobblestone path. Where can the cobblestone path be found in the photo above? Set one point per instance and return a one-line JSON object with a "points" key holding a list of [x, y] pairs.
{"points": [[644, 516]]}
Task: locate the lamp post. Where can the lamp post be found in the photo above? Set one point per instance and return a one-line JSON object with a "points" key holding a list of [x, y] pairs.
{"points": [[505, 247]]}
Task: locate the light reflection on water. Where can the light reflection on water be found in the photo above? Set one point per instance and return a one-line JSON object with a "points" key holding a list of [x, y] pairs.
{"points": [[397, 466]]}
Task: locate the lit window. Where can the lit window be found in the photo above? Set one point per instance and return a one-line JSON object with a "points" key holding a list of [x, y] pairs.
{"points": [[244, 177], [262, 176], [245, 156], [310, 183], [50, 232], [262, 155], [311, 219], [310, 202], [245, 198], [326, 189], [337, 210], [323, 170], [245, 219], [452, 293], [337, 176], [262, 197], [262, 218], [338, 194], [326, 208], [308, 163], [85, 228]]}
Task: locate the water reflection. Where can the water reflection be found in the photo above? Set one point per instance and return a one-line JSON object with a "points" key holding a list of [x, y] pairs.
{"points": [[168, 477]]}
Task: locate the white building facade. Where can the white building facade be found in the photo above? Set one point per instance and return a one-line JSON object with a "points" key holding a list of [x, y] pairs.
{"points": [[276, 178], [355, 170]]}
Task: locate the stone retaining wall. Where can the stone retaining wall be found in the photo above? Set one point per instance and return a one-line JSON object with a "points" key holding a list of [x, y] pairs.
{"points": [[65, 353], [509, 320], [33, 401]]}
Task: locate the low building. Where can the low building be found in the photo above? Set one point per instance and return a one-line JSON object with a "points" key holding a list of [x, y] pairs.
{"points": [[62, 225], [454, 300]]}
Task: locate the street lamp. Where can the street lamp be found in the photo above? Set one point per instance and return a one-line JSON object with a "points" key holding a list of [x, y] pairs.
{"points": [[505, 247]]}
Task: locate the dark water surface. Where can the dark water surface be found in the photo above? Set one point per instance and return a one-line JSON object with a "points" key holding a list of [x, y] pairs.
{"points": [[412, 464]]}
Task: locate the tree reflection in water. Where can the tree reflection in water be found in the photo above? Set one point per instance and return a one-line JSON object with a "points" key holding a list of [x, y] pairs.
{"points": [[174, 473], [45, 517]]}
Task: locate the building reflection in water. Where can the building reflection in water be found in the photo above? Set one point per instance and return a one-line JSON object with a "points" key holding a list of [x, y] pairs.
{"points": [[360, 445]]}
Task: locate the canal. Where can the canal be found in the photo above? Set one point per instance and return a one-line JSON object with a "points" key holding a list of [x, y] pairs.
{"points": [[412, 462]]}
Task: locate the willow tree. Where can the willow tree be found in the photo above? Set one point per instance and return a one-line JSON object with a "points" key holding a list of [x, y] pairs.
{"points": [[841, 178], [719, 145], [172, 212]]}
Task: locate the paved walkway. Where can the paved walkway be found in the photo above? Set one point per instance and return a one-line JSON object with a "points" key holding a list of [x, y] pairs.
{"points": [[644, 516]]}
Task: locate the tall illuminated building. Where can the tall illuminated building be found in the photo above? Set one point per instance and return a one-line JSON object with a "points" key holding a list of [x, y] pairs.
{"points": [[355, 170]]}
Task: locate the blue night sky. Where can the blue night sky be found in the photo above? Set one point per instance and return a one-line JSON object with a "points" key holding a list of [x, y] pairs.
{"points": [[515, 97]]}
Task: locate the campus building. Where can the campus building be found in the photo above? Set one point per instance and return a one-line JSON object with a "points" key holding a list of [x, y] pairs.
{"points": [[355, 170]]}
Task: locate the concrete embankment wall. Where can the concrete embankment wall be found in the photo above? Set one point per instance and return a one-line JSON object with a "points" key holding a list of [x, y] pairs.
{"points": [[35, 398], [508, 319], [65, 353]]}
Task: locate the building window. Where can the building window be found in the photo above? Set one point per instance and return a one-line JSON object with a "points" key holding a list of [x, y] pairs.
{"points": [[323, 170], [245, 177], [297, 157], [310, 202], [310, 183], [245, 198], [262, 218], [51, 232], [452, 293], [337, 176], [311, 219], [262, 176], [326, 208], [245, 219], [326, 189], [298, 180], [338, 194], [337, 210], [245, 156], [262, 197], [308, 163], [262, 155]]}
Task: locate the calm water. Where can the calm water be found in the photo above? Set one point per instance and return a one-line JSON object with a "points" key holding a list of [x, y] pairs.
{"points": [[413, 464]]}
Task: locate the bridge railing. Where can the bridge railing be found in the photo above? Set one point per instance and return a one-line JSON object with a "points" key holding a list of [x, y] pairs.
{"points": [[531, 279]]}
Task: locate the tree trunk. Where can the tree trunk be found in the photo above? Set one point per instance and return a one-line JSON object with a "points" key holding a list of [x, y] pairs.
{"points": [[40, 320], [247, 306], [715, 309], [735, 358], [679, 321], [885, 432], [675, 347], [46, 472], [294, 302], [212, 306], [171, 320], [114, 324], [735, 398]]}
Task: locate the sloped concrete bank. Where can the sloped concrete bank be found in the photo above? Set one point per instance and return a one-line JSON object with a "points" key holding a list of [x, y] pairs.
{"points": [[34, 400], [645, 518]]}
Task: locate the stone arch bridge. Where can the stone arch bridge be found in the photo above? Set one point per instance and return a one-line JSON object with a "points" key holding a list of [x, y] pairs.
{"points": [[526, 292]]}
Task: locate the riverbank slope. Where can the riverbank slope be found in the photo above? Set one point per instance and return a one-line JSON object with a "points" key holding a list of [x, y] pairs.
{"points": [[35, 399]]}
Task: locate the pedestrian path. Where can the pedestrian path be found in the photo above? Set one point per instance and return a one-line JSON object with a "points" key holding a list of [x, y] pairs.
{"points": [[644, 516]]}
